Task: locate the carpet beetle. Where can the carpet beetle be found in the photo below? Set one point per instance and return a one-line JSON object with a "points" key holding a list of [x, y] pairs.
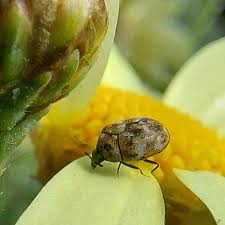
{"points": [[130, 140]]}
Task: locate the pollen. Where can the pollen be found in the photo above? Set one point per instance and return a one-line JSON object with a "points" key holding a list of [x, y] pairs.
{"points": [[192, 146]]}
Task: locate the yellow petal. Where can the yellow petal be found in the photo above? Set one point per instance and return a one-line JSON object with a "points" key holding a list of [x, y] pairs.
{"points": [[209, 188], [200, 81], [80, 195]]}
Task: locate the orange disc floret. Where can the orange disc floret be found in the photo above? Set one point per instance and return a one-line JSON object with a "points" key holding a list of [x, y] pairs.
{"points": [[192, 146]]}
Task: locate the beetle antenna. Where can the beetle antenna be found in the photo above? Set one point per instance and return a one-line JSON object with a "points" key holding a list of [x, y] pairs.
{"points": [[88, 155]]}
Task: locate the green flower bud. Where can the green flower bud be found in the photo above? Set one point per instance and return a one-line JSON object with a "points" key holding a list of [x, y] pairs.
{"points": [[46, 48]]}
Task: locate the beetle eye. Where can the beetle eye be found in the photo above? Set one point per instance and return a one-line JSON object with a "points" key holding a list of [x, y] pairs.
{"points": [[107, 147], [144, 120]]}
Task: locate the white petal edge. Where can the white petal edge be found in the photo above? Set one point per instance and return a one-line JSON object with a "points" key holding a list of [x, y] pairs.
{"points": [[81, 95], [200, 81], [209, 188], [81, 195], [215, 115], [120, 74]]}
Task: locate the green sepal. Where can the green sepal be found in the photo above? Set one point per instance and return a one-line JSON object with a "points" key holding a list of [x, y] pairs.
{"points": [[61, 78], [68, 22], [14, 104], [9, 140], [14, 36]]}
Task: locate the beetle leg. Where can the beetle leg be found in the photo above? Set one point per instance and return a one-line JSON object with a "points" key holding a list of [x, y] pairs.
{"points": [[133, 167], [152, 162], [118, 169]]}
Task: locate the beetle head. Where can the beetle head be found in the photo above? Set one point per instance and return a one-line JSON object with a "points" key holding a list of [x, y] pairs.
{"points": [[96, 159]]}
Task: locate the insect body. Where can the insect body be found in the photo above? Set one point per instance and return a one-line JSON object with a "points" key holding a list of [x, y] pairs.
{"points": [[130, 140]]}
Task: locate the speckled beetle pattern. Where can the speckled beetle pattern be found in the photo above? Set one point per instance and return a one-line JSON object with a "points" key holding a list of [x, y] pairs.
{"points": [[130, 140]]}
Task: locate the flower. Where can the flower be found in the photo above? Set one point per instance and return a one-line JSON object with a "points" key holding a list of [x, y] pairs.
{"points": [[193, 146], [109, 105]]}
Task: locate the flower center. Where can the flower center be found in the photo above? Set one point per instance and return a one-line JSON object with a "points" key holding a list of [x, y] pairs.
{"points": [[192, 146]]}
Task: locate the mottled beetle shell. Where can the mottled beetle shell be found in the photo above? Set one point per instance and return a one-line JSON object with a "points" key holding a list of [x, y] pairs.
{"points": [[130, 140]]}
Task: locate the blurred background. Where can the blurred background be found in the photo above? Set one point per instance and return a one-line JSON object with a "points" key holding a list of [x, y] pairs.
{"points": [[157, 37]]}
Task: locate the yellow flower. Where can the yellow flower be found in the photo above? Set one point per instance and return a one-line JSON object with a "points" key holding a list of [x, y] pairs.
{"points": [[190, 140], [192, 146], [64, 135]]}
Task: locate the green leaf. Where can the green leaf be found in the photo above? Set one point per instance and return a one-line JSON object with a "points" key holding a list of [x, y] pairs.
{"points": [[80, 195], [200, 81], [20, 189], [209, 188]]}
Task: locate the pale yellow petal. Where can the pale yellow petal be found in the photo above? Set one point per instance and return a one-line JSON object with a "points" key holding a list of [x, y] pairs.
{"points": [[209, 188], [215, 115], [120, 74], [81, 195], [200, 81]]}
